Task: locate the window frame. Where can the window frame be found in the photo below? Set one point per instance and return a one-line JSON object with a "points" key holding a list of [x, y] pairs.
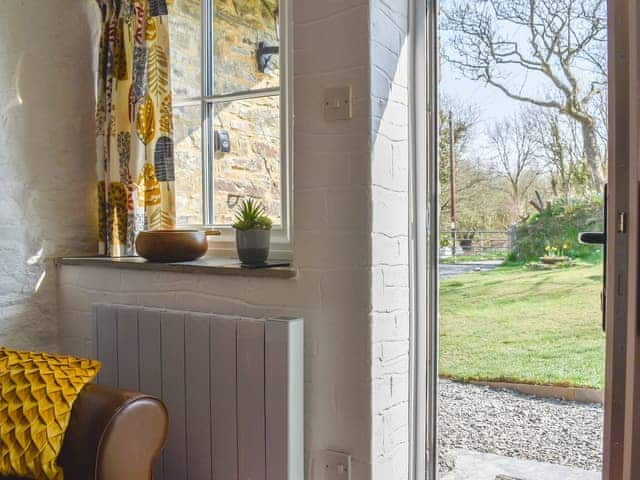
{"points": [[281, 237]]}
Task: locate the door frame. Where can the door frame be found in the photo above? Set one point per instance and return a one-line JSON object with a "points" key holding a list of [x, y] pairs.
{"points": [[622, 384], [424, 235], [617, 312], [622, 421]]}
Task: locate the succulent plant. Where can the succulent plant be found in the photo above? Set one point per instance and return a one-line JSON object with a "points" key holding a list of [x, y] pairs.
{"points": [[252, 216]]}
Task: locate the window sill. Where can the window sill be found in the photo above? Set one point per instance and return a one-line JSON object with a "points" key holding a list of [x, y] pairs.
{"points": [[207, 265]]}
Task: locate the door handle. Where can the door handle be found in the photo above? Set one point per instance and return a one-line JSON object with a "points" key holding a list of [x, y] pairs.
{"points": [[592, 238], [600, 238]]}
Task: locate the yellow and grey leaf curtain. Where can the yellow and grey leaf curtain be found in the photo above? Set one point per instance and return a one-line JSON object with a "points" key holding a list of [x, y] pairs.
{"points": [[136, 180]]}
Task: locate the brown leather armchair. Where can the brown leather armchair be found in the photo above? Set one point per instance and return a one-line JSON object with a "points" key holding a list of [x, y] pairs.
{"points": [[113, 435]]}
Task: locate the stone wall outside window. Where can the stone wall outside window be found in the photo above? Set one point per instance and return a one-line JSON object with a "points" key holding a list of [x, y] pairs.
{"points": [[253, 168]]}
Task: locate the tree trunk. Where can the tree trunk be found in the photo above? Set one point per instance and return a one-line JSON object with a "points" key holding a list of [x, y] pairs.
{"points": [[592, 154], [516, 209]]}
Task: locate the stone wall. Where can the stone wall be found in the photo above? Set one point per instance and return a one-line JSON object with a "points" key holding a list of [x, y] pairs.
{"points": [[47, 158], [252, 168]]}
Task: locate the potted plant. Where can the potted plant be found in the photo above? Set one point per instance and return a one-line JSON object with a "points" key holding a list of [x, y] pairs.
{"points": [[253, 233], [555, 255], [445, 247]]}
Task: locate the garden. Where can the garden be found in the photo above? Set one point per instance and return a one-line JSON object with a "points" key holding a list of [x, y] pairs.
{"points": [[522, 151], [531, 320]]}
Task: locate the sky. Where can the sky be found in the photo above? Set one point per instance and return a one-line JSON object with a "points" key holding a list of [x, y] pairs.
{"points": [[492, 104]]}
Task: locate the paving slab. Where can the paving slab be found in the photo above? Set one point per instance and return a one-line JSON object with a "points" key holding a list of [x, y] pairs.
{"points": [[484, 466]]}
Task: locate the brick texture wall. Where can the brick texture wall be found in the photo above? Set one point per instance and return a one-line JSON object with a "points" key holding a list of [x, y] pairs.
{"points": [[390, 313], [350, 243]]}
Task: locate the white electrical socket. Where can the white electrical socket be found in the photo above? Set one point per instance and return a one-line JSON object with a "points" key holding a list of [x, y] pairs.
{"points": [[335, 465]]}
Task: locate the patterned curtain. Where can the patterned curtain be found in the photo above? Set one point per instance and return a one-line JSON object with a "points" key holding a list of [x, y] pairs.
{"points": [[134, 121]]}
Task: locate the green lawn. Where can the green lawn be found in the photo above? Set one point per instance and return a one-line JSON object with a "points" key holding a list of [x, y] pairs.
{"points": [[522, 325]]}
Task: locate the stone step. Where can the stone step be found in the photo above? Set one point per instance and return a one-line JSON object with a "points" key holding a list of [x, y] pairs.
{"points": [[484, 466]]}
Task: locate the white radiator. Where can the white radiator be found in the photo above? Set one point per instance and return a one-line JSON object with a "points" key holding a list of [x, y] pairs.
{"points": [[233, 388]]}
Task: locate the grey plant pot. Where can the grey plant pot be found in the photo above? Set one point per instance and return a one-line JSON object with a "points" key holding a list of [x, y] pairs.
{"points": [[253, 246]]}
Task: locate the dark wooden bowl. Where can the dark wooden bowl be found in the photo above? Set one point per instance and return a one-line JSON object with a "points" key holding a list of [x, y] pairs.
{"points": [[169, 246]]}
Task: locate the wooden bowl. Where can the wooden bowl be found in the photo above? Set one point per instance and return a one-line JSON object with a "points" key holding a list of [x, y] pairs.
{"points": [[169, 246]]}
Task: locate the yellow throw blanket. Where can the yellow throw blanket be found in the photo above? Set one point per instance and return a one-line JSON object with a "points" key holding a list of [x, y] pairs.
{"points": [[37, 391]]}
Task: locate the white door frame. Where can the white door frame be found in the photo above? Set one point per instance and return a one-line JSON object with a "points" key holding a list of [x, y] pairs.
{"points": [[424, 240]]}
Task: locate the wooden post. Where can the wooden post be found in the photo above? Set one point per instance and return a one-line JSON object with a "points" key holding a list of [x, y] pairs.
{"points": [[511, 241], [452, 180]]}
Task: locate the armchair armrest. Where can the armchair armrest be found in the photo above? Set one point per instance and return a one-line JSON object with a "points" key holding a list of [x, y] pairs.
{"points": [[113, 435]]}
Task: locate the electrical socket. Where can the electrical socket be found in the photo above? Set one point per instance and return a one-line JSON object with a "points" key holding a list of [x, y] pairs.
{"points": [[335, 465]]}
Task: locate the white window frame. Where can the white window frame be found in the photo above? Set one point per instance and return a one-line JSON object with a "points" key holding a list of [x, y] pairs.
{"points": [[423, 383], [281, 237]]}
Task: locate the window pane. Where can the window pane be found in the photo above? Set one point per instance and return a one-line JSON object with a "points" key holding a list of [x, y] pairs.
{"points": [[238, 28], [252, 168], [185, 24], [188, 163]]}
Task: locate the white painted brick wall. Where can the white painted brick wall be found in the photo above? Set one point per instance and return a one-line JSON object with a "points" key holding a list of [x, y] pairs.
{"points": [[351, 244], [390, 227], [47, 158], [332, 218]]}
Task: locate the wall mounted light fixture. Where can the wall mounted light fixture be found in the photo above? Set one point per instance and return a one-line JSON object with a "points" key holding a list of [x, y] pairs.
{"points": [[265, 52]]}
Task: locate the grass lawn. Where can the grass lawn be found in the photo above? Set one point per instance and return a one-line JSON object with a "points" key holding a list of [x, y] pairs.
{"points": [[522, 325]]}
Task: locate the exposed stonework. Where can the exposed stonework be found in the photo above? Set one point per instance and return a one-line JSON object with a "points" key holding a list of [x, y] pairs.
{"points": [[252, 168]]}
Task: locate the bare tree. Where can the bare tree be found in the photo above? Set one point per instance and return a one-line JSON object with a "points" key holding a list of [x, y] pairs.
{"points": [[564, 157], [515, 156], [563, 42]]}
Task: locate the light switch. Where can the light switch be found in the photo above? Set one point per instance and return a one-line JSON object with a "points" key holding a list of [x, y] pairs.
{"points": [[338, 103], [335, 465]]}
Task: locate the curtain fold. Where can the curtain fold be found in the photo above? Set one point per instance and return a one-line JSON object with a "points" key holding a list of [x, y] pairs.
{"points": [[134, 124]]}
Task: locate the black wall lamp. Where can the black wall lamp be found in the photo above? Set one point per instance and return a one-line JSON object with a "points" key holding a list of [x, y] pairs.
{"points": [[265, 51], [264, 54]]}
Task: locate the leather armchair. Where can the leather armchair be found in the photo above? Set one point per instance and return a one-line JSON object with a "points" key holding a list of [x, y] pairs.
{"points": [[113, 435]]}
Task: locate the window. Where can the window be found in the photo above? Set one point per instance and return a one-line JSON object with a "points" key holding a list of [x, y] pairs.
{"points": [[230, 110]]}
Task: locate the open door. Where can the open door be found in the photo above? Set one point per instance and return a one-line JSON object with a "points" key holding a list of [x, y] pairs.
{"points": [[617, 268], [622, 315], [622, 395]]}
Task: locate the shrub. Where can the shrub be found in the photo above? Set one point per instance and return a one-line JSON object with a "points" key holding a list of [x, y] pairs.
{"points": [[559, 226]]}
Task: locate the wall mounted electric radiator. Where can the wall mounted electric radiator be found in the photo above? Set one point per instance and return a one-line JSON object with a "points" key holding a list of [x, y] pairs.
{"points": [[233, 387]]}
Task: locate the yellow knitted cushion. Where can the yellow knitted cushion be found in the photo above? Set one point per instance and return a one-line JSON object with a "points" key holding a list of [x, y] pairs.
{"points": [[37, 391]]}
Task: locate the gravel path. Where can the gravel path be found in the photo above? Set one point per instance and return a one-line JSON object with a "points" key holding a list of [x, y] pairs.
{"points": [[515, 425]]}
